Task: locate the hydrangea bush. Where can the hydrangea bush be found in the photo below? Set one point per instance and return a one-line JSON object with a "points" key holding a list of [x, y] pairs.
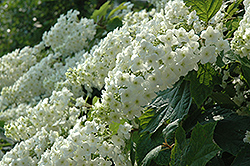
{"points": [[168, 86]]}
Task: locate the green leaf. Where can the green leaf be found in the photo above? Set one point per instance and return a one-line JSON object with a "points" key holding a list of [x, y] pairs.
{"points": [[245, 67], [198, 150], [95, 100], [146, 117], [219, 62], [170, 129], [243, 157], [132, 152], [179, 147], [170, 104], [114, 126], [223, 100], [229, 133], [120, 7], [2, 123], [101, 13], [114, 23], [205, 9], [233, 8], [201, 147], [151, 155], [202, 82], [146, 144], [232, 26], [216, 161], [205, 115]]}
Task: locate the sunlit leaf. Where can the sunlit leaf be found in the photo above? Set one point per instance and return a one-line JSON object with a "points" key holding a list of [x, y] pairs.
{"points": [[170, 104], [205, 9], [120, 7], [98, 14], [151, 155]]}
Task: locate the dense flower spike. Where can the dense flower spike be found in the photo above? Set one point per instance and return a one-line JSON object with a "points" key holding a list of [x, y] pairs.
{"points": [[67, 35], [241, 40], [17, 63]]}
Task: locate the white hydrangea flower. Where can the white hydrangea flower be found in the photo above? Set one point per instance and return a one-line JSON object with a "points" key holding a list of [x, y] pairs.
{"points": [[246, 139], [13, 65], [67, 35], [211, 35], [208, 54]]}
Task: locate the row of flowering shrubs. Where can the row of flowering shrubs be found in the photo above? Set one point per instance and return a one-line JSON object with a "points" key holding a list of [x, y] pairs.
{"points": [[169, 86]]}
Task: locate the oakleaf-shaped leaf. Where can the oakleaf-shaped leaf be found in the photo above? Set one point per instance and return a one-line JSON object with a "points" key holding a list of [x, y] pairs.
{"points": [[170, 104], [201, 147], [205, 9], [198, 150]]}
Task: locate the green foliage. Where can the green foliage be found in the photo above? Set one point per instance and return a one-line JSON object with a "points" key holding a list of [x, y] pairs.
{"points": [[223, 100], [106, 21], [233, 17], [149, 150], [114, 126], [243, 157], [202, 82], [232, 26], [120, 7], [151, 155], [197, 150], [245, 65], [159, 122], [113, 23], [180, 143], [101, 13], [229, 133], [205, 9], [95, 100], [171, 104], [233, 8]]}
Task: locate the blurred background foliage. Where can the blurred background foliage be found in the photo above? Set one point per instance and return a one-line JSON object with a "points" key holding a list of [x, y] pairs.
{"points": [[22, 22]]}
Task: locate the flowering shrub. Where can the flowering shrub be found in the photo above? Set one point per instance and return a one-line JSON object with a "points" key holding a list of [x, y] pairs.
{"points": [[169, 86]]}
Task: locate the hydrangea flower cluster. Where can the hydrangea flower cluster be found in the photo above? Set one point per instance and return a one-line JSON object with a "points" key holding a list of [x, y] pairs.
{"points": [[85, 145], [13, 65], [241, 41], [39, 80], [86, 141], [15, 112], [247, 137], [100, 60], [51, 113], [157, 57], [29, 152], [67, 35]]}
